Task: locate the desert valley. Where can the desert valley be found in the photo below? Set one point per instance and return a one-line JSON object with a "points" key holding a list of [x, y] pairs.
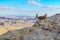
{"points": [[27, 28]]}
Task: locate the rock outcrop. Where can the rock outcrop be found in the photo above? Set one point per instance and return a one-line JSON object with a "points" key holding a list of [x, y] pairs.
{"points": [[47, 30]]}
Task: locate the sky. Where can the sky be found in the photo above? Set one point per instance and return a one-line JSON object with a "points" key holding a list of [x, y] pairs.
{"points": [[29, 7]]}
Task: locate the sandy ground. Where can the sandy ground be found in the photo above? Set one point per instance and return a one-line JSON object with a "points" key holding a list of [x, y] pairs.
{"points": [[21, 24]]}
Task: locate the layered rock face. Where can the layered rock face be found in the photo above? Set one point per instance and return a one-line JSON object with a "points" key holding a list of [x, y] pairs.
{"points": [[47, 30]]}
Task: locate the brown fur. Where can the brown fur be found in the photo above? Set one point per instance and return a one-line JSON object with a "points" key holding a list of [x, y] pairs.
{"points": [[41, 17]]}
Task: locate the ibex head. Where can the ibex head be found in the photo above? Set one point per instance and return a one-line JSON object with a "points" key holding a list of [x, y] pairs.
{"points": [[45, 15], [36, 15]]}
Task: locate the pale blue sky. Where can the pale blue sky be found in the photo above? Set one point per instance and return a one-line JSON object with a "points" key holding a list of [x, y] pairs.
{"points": [[29, 7]]}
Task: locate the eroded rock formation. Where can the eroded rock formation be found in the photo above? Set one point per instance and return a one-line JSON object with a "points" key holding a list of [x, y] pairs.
{"points": [[47, 30]]}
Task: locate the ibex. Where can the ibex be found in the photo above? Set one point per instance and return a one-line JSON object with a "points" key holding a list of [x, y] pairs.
{"points": [[41, 17]]}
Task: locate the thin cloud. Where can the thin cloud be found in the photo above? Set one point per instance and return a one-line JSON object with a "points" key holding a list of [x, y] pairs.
{"points": [[34, 2], [48, 6], [7, 7]]}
